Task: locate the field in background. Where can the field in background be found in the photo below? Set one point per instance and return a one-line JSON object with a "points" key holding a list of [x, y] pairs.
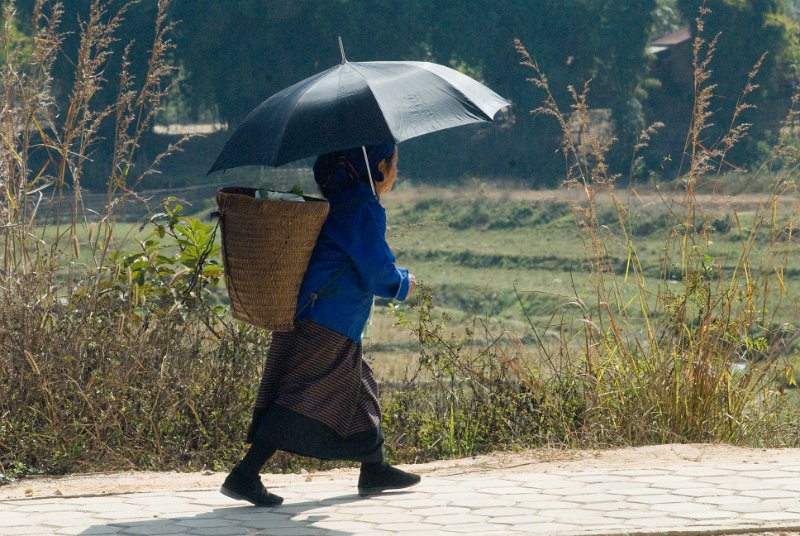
{"points": [[486, 250]]}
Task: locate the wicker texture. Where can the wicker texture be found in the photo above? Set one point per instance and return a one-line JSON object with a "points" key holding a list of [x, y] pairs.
{"points": [[266, 246]]}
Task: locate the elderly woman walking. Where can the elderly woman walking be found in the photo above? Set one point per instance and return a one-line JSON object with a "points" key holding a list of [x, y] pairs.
{"points": [[318, 397]]}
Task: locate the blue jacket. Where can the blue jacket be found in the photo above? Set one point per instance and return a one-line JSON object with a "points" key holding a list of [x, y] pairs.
{"points": [[351, 264]]}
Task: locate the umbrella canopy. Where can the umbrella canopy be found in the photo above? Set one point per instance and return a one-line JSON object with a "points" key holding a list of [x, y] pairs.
{"points": [[356, 104]]}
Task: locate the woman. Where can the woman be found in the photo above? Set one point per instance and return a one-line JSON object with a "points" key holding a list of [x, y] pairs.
{"points": [[318, 397]]}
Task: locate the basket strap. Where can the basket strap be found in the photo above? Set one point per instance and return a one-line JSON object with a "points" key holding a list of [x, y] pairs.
{"points": [[325, 286]]}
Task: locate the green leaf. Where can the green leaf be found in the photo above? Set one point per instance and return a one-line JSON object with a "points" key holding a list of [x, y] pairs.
{"points": [[215, 271]]}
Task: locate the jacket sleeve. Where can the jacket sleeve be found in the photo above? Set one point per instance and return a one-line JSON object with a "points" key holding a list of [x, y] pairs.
{"points": [[371, 255]]}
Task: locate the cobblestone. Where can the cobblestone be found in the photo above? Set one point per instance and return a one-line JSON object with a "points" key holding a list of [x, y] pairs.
{"points": [[690, 499]]}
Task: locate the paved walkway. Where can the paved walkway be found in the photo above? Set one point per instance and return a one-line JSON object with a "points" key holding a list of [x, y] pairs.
{"points": [[687, 498]]}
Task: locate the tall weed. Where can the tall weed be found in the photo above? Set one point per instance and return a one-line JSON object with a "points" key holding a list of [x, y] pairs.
{"points": [[114, 351], [691, 350], [699, 353], [468, 396]]}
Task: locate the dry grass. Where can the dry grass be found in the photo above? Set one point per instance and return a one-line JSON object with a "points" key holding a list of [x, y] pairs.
{"points": [[662, 364], [699, 351], [109, 358]]}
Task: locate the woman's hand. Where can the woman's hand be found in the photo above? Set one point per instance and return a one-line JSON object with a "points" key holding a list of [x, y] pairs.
{"points": [[412, 283]]}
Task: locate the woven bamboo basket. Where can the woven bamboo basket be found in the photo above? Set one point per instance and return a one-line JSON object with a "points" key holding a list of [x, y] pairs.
{"points": [[266, 245]]}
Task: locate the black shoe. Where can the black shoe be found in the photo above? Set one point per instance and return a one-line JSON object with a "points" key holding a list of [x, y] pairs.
{"points": [[371, 482], [250, 489]]}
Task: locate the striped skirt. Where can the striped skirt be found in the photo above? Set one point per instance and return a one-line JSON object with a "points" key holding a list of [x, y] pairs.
{"points": [[320, 377]]}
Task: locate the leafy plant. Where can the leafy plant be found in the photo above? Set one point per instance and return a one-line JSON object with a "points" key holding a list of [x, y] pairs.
{"points": [[468, 397], [109, 358], [177, 262]]}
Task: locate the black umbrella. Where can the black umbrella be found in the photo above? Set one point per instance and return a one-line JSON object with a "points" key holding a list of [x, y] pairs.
{"points": [[356, 104]]}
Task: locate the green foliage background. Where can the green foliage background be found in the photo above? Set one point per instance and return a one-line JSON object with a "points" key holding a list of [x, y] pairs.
{"points": [[233, 55], [746, 30]]}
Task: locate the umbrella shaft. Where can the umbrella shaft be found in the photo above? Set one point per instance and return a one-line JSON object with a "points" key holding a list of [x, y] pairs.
{"points": [[369, 171]]}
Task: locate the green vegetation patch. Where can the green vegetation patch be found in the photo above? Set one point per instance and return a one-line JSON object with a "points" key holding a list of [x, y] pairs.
{"points": [[482, 213]]}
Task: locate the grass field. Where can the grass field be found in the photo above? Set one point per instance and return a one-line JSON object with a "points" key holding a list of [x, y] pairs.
{"points": [[485, 251]]}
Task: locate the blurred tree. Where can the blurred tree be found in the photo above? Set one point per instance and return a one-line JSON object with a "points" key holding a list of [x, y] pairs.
{"points": [[573, 41], [15, 36], [233, 55], [667, 18], [621, 44], [136, 32], [747, 29], [237, 54]]}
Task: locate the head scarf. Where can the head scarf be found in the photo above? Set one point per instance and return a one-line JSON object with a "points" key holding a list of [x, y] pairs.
{"points": [[340, 169]]}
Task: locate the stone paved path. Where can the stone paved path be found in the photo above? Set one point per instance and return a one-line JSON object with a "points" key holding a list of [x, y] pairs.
{"points": [[687, 498]]}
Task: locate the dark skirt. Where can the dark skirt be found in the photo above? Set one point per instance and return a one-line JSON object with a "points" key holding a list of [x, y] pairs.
{"points": [[318, 397]]}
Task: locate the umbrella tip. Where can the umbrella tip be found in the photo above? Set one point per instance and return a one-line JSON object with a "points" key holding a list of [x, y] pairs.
{"points": [[341, 50]]}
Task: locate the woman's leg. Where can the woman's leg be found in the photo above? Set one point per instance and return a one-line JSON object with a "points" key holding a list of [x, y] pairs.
{"points": [[243, 482], [254, 460]]}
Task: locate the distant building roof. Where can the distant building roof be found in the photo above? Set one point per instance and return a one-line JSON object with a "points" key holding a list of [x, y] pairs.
{"points": [[675, 38]]}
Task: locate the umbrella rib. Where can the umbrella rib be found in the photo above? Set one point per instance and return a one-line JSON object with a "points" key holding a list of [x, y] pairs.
{"points": [[463, 95], [467, 99], [278, 145], [366, 82], [481, 115]]}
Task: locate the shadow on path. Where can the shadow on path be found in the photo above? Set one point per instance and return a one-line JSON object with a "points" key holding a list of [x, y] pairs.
{"points": [[285, 520]]}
